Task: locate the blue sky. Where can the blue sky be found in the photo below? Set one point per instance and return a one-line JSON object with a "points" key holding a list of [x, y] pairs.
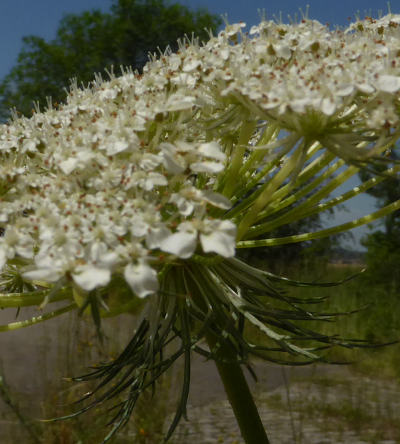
{"points": [[40, 17]]}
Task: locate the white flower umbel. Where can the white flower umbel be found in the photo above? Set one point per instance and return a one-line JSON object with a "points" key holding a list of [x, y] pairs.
{"points": [[163, 154], [143, 186]]}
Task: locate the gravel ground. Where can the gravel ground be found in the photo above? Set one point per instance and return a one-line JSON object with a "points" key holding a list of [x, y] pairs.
{"points": [[339, 409]]}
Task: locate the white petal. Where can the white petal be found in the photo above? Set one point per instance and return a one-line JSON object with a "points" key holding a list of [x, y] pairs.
{"points": [[46, 233], [29, 145], [185, 206], [213, 150], [154, 179], [138, 226], [365, 88], [25, 250], [172, 165], [84, 156], [97, 250], [109, 93], [207, 167], [233, 29], [88, 277], [254, 30], [3, 216], [183, 146], [156, 236], [388, 84], [99, 253], [283, 51], [328, 107], [42, 274], [3, 257], [184, 79], [171, 160], [67, 166], [221, 240], [182, 244], [191, 65], [299, 105], [174, 62], [150, 161], [179, 102], [109, 259], [141, 278], [225, 53], [218, 200], [345, 90], [117, 147]]}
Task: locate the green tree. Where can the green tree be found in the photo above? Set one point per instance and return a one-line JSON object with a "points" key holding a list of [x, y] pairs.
{"points": [[383, 259], [87, 43], [386, 192], [383, 246]]}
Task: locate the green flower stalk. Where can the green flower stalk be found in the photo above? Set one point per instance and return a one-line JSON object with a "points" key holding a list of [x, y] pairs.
{"points": [[136, 193]]}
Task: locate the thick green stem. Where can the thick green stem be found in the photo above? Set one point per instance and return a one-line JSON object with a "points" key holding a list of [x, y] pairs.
{"points": [[239, 394]]}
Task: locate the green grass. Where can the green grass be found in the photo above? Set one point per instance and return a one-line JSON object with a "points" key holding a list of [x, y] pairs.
{"points": [[377, 320], [376, 317]]}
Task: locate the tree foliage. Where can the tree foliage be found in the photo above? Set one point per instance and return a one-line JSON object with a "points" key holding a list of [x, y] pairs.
{"points": [[87, 43], [383, 246], [383, 259], [386, 192]]}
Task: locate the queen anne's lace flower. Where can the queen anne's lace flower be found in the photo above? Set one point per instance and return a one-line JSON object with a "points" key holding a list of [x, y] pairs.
{"points": [[145, 160]]}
